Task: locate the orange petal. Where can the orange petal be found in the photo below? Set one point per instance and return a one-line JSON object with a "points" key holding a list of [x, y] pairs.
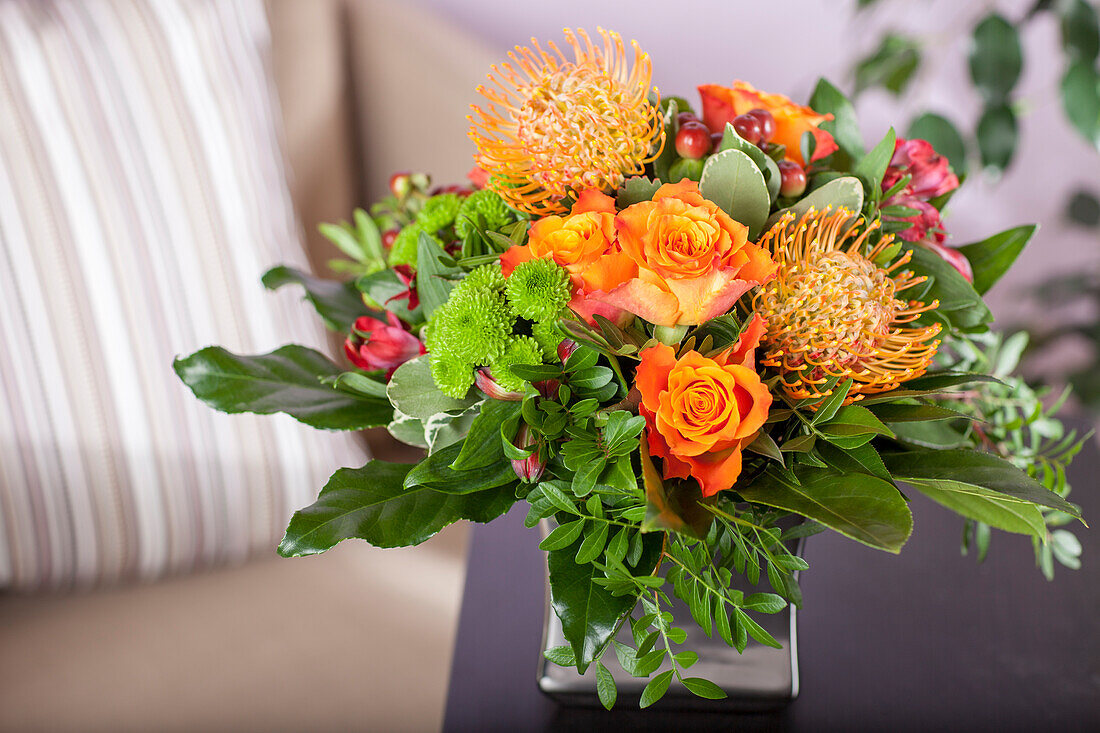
{"points": [[593, 199], [686, 190], [651, 377], [608, 272], [717, 471], [643, 299], [513, 257], [760, 266], [703, 298], [718, 106]]}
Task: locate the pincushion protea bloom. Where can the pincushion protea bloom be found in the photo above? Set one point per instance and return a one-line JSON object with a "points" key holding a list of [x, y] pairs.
{"points": [[830, 311], [554, 126]]}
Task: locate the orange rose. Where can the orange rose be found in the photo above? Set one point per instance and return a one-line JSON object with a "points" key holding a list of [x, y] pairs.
{"points": [[683, 260], [722, 104], [576, 242], [700, 412]]}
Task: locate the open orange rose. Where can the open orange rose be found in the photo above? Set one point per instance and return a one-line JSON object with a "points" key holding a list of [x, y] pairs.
{"points": [[577, 242], [683, 260], [722, 104], [700, 411]]}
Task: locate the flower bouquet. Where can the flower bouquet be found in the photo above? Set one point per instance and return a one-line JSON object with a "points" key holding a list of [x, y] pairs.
{"points": [[685, 337]]}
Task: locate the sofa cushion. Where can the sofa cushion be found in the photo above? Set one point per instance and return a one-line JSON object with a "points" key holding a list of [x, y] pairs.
{"points": [[142, 194]]}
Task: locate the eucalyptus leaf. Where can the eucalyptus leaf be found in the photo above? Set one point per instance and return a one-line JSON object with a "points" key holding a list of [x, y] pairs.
{"points": [[997, 136], [413, 391], [846, 191], [996, 58], [943, 136], [733, 182]]}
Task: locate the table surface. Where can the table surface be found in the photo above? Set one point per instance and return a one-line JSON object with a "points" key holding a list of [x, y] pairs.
{"points": [[925, 640]]}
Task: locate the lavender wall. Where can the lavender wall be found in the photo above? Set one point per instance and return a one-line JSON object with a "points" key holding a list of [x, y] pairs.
{"points": [[785, 46]]}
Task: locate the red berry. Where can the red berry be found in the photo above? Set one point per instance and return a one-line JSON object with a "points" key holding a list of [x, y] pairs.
{"points": [[767, 123], [792, 178], [715, 140], [748, 127], [388, 236], [401, 184], [693, 140], [685, 117]]}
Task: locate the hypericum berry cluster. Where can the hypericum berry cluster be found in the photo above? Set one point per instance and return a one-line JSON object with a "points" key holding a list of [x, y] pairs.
{"points": [[487, 320], [694, 142]]}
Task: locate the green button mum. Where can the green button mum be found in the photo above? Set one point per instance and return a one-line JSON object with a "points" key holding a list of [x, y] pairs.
{"points": [[538, 289]]}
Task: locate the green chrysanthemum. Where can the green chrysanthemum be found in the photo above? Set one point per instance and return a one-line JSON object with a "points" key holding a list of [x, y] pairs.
{"points": [[548, 336], [453, 376], [473, 326], [522, 350], [439, 212], [538, 289], [486, 277], [403, 250], [492, 209]]}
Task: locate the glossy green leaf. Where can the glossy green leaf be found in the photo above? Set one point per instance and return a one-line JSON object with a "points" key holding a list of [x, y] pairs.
{"points": [[605, 686], [563, 535], [960, 306], [483, 445], [996, 58], [371, 503], [588, 612], [733, 182], [895, 412], [668, 154], [844, 127], [831, 404], [704, 688], [755, 630], [865, 508], [435, 471], [1081, 100], [561, 656], [385, 288], [286, 380], [338, 303], [675, 505], [997, 136], [872, 167], [412, 391], [943, 136], [1080, 31], [891, 65], [357, 383], [853, 425], [991, 257], [656, 689], [929, 435], [860, 459], [975, 473]]}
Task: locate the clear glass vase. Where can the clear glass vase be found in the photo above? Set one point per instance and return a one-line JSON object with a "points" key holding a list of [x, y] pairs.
{"points": [[760, 679]]}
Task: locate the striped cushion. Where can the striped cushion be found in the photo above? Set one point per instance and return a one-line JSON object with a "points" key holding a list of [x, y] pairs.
{"points": [[142, 194]]}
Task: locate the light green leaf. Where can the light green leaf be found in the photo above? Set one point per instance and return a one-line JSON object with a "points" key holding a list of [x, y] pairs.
{"points": [[733, 182], [412, 391], [605, 686], [704, 688], [656, 689], [846, 192]]}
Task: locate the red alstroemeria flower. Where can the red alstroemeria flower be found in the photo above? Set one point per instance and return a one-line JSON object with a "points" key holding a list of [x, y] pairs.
{"points": [[374, 344]]}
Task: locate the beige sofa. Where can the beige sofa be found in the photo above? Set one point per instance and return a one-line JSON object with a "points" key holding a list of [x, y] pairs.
{"points": [[355, 639]]}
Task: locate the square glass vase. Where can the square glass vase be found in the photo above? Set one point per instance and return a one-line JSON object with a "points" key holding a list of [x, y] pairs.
{"points": [[760, 679]]}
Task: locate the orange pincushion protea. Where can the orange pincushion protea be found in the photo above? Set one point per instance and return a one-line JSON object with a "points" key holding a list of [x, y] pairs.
{"points": [[831, 312], [555, 126]]}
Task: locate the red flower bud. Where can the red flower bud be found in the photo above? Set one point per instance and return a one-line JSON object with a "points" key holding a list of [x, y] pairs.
{"points": [[953, 257], [485, 382], [478, 176], [566, 349], [373, 344], [529, 470]]}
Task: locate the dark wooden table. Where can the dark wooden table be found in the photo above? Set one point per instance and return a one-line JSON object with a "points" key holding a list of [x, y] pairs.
{"points": [[923, 641]]}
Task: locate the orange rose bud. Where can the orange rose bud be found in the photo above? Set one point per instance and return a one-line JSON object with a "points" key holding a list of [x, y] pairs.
{"points": [[683, 260], [700, 411], [723, 104]]}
